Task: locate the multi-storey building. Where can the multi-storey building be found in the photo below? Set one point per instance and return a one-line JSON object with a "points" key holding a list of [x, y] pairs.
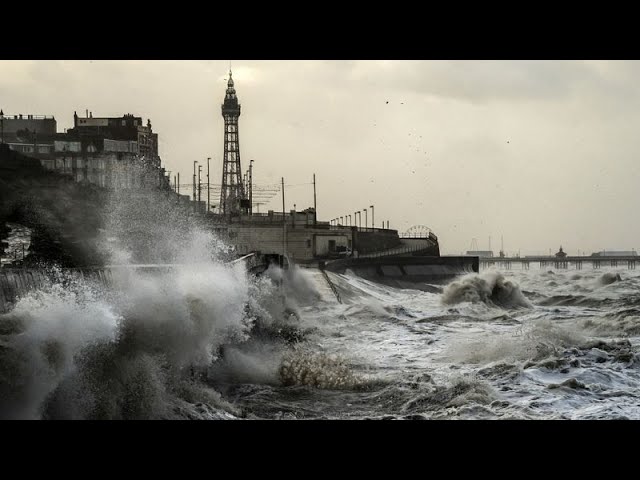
{"points": [[113, 152]]}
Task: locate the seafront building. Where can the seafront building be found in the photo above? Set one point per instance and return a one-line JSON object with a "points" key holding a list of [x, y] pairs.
{"points": [[121, 153], [112, 152]]}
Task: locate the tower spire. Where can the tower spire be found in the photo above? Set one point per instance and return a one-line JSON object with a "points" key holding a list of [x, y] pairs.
{"points": [[232, 191]]}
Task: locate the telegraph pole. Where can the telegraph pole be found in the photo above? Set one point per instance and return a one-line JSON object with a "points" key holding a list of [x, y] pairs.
{"points": [[251, 187], [208, 187], [195, 199], [315, 209], [199, 187], [284, 227]]}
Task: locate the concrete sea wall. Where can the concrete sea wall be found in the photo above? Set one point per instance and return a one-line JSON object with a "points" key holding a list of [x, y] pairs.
{"points": [[407, 271], [15, 283]]}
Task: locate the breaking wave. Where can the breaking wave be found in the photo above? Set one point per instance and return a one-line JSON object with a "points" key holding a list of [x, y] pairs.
{"points": [[609, 278], [489, 288], [306, 368], [72, 351]]}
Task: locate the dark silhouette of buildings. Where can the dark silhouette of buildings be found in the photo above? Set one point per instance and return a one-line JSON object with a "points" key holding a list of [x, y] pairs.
{"points": [[112, 152]]}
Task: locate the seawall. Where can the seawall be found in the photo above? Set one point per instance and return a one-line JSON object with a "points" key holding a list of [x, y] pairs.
{"points": [[407, 272], [15, 283]]}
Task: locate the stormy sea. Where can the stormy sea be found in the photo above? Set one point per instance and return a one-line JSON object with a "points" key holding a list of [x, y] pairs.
{"points": [[206, 339]]}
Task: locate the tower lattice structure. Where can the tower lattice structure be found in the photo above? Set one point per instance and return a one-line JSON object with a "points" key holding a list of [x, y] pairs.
{"points": [[232, 194]]}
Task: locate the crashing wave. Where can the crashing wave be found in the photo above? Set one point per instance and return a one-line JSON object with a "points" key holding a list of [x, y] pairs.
{"points": [[490, 288]]}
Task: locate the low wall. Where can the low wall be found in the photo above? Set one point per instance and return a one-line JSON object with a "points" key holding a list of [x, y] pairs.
{"points": [[15, 283], [375, 241], [406, 272]]}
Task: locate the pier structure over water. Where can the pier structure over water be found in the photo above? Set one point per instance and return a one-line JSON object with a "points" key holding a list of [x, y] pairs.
{"points": [[566, 262]]}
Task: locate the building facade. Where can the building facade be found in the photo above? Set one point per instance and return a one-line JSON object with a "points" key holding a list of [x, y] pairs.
{"points": [[112, 152]]}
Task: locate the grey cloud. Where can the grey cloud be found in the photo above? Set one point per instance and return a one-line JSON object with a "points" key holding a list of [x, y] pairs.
{"points": [[479, 80], [440, 159]]}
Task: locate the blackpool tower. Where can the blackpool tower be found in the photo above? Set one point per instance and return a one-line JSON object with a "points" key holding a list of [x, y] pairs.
{"points": [[232, 196]]}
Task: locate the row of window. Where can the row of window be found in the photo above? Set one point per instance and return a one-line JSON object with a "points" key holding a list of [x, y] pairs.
{"points": [[23, 148]]}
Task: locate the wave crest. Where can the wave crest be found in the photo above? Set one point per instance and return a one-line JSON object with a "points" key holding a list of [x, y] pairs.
{"points": [[490, 288]]}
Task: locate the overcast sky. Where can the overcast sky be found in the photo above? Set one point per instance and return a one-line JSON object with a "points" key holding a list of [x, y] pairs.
{"points": [[543, 153]]}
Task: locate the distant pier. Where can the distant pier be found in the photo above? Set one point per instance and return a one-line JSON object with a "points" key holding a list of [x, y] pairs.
{"points": [[560, 262]]}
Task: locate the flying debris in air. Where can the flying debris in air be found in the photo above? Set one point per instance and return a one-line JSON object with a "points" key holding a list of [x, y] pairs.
{"points": [[387, 101]]}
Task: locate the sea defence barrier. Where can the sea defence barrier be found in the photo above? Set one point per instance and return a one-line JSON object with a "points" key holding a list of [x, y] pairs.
{"points": [[17, 282], [406, 272]]}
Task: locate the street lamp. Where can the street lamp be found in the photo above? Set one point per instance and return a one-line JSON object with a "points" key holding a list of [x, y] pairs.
{"points": [[1, 126], [349, 220], [365, 218], [372, 218]]}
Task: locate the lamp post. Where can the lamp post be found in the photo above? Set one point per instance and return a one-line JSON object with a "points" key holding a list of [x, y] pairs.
{"points": [[1, 126], [373, 223], [365, 218]]}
